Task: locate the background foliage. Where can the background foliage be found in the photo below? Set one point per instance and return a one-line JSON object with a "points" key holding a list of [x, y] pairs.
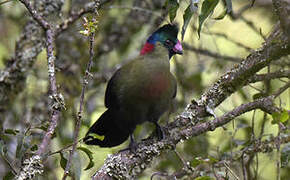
{"points": [[216, 35]]}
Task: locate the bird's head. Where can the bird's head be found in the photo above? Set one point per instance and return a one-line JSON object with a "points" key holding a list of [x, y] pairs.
{"points": [[166, 35]]}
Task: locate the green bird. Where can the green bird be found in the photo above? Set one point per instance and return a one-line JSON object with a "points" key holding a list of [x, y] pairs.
{"points": [[140, 91]]}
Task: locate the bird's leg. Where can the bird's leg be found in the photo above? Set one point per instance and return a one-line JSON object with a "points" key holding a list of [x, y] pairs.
{"points": [[133, 145], [159, 131]]}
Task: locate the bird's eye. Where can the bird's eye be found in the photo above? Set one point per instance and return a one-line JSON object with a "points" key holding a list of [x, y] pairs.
{"points": [[169, 43]]}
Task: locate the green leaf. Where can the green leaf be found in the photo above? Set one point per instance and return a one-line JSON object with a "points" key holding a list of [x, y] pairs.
{"points": [[62, 161], [284, 116], [196, 161], [285, 155], [34, 148], [190, 10], [204, 178], [3, 148], [280, 117], [207, 8], [90, 156], [222, 15], [11, 131], [173, 6], [227, 10], [213, 160]]}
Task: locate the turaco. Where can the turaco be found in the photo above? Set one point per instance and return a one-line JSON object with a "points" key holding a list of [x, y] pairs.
{"points": [[142, 90]]}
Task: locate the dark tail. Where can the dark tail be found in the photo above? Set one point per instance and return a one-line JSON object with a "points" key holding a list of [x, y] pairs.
{"points": [[107, 132]]}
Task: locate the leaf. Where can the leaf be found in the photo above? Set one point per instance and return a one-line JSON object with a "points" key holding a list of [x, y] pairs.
{"points": [[213, 160], [173, 6], [227, 10], [90, 156], [3, 148], [285, 155], [259, 95], [190, 10], [11, 131], [62, 161], [207, 8], [284, 116], [280, 117], [196, 161], [19, 148], [222, 15], [34, 148]]}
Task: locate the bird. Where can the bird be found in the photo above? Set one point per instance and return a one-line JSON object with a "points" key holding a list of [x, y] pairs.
{"points": [[141, 90]]}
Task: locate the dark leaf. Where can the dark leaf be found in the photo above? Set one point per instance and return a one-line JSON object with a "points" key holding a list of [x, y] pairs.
{"points": [[173, 6], [190, 10], [62, 161], [11, 131], [227, 10], [207, 8], [34, 148], [90, 156]]}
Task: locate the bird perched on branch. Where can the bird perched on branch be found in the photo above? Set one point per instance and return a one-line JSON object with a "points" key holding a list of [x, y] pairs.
{"points": [[140, 91]]}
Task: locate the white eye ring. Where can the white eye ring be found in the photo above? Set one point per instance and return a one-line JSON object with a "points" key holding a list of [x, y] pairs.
{"points": [[168, 42]]}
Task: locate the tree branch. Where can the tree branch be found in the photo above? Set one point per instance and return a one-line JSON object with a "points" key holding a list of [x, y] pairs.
{"points": [[85, 83], [282, 9], [269, 76], [210, 54], [125, 165]]}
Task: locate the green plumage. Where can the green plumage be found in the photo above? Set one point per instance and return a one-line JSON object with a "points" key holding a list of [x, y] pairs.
{"points": [[140, 91]]}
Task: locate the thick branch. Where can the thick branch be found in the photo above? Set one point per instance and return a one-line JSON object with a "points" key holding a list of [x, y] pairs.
{"points": [[265, 104], [125, 165]]}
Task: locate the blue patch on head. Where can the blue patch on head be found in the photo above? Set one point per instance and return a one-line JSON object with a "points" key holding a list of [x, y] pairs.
{"points": [[153, 38]]}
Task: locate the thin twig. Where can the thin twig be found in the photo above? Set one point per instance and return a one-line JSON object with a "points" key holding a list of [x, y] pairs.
{"points": [[281, 90], [210, 53], [232, 172], [9, 164], [269, 76], [85, 83], [36, 16]]}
